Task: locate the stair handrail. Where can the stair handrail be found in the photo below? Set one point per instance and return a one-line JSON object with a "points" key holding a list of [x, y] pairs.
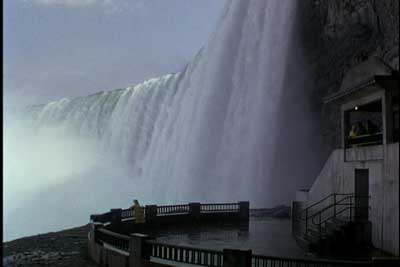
{"points": [[329, 206], [337, 203], [341, 211], [322, 200]]}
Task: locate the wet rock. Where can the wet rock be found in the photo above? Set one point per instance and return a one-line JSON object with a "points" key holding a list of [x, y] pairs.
{"points": [[52, 249]]}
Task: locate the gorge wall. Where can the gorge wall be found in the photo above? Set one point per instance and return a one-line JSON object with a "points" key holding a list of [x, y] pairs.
{"points": [[339, 34]]}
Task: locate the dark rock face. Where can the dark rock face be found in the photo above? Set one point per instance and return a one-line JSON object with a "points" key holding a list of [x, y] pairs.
{"points": [[64, 248], [336, 35]]}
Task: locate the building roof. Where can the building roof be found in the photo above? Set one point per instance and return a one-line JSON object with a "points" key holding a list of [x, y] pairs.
{"points": [[366, 73]]}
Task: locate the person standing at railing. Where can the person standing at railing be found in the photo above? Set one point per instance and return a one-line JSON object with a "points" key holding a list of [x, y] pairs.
{"points": [[139, 215]]}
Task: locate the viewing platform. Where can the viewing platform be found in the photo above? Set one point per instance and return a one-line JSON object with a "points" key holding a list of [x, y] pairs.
{"points": [[114, 240]]}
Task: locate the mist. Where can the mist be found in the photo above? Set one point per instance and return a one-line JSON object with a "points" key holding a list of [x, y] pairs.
{"points": [[237, 123], [55, 179]]}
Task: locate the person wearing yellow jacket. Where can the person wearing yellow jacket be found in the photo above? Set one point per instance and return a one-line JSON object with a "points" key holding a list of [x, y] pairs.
{"points": [[139, 215]]}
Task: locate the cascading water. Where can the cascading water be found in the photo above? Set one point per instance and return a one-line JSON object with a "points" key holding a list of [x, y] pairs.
{"points": [[205, 134]]}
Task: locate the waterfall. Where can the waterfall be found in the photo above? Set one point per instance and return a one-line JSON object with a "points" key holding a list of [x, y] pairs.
{"points": [[207, 133]]}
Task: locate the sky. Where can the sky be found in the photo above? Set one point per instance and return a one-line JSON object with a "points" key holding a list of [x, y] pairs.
{"points": [[68, 48]]}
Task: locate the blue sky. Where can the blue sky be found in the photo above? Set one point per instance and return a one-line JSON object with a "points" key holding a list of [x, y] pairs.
{"points": [[67, 48]]}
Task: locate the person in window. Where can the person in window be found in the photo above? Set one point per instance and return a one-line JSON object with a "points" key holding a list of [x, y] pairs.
{"points": [[353, 132], [356, 130]]}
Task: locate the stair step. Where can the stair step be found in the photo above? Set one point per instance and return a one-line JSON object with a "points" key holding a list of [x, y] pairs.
{"points": [[331, 227], [311, 238], [338, 221], [303, 243], [314, 232]]}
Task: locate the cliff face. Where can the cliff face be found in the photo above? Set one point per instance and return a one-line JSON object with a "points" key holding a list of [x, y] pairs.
{"points": [[336, 35]]}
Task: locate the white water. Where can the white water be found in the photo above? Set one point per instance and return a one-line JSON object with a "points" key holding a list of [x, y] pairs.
{"points": [[206, 134]]}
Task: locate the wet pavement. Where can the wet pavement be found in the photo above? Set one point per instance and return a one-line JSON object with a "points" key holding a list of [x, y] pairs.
{"points": [[263, 235]]}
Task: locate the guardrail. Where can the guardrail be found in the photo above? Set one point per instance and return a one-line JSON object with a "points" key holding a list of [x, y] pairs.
{"points": [[102, 218], [185, 254], [172, 209], [263, 261], [127, 213], [334, 205], [113, 239], [162, 214], [220, 207], [149, 250], [109, 248]]}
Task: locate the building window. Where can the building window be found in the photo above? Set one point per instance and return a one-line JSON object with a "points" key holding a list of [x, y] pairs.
{"points": [[363, 125]]}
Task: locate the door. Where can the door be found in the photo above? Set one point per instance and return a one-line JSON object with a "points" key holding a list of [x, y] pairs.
{"points": [[361, 192]]}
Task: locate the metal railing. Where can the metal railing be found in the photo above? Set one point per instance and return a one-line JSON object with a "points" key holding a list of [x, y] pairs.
{"points": [[102, 218], [330, 198], [219, 207], [184, 254], [172, 209], [122, 244], [113, 239], [364, 140], [339, 204], [127, 213], [268, 261]]}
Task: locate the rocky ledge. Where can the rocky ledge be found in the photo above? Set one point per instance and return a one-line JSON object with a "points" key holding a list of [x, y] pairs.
{"points": [[64, 248]]}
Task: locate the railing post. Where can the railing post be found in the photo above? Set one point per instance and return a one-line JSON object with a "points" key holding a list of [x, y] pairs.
{"points": [[306, 220], [351, 217], [116, 220], [237, 258], [93, 228], [334, 205], [296, 207], [138, 250], [244, 210], [194, 210], [93, 251], [319, 226], [151, 213]]}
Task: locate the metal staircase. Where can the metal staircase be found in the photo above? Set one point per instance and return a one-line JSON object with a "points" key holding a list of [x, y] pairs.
{"points": [[329, 226]]}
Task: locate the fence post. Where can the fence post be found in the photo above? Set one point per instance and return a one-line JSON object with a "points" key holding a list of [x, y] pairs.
{"points": [[244, 210], [296, 207], [93, 251], [138, 250], [94, 226], [306, 230], [91, 240], [194, 210], [237, 258], [334, 205], [116, 220], [151, 213]]}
